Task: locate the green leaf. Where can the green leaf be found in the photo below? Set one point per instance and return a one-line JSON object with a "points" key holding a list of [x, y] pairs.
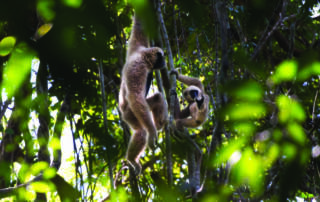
{"points": [[305, 73], [249, 91], [45, 9], [42, 186], [7, 45], [286, 71], [38, 167], [289, 109], [73, 3], [297, 133], [17, 69], [244, 111]]}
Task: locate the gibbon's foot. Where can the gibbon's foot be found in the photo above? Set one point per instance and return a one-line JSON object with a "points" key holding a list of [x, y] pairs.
{"points": [[177, 133], [136, 167], [152, 142]]}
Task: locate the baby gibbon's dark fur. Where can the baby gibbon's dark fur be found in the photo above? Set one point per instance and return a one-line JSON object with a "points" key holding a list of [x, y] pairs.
{"points": [[196, 113], [144, 115]]}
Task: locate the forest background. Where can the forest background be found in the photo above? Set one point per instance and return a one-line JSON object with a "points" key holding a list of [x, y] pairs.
{"points": [[62, 137]]}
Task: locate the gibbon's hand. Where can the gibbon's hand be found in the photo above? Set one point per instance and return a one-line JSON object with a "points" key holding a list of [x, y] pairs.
{"points": [[174, 71], [199, 100]]}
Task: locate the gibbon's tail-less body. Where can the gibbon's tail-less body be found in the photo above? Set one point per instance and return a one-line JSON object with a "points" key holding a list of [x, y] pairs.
{"points": [[196, 113], [144, 115]]}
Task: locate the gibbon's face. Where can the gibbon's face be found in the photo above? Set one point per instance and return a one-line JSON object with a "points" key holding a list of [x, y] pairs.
{"points": [[191, 93], [160, 61]]}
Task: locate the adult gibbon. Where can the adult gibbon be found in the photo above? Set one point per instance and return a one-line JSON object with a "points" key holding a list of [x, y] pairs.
{"points": [[196, 113], [144, 115]]}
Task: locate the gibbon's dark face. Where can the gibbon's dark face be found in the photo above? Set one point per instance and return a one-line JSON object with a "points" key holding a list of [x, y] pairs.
{"points": [[193, 94], [160, 61]]}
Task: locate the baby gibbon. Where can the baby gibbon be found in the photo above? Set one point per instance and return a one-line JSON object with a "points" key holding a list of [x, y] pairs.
{"points": [[144, 115], [196, 113]]}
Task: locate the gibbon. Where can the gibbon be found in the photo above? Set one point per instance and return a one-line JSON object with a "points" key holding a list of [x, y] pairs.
{"points": [[196, 113], [144, 115]]}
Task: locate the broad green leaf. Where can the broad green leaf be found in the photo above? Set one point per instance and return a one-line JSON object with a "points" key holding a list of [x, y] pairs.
{"points": [[289, 151], [245, 111], [250, 91], [45, 9], [244, 128], [7, 45], [289, 110], [38, 167], [286, 71], [42, 186], [305, 73], [17, 69], [73, 3], [249, 170], [44, 29], [49, 173], [296, 131], [227, 151]]}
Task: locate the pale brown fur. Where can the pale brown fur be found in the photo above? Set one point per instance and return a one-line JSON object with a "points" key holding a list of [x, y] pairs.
{"points": [[192, 116], [144, 115]]}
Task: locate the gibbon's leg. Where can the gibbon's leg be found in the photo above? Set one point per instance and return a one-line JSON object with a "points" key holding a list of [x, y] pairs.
{"points": [[136, 146], [159, 109], [140, 109]]}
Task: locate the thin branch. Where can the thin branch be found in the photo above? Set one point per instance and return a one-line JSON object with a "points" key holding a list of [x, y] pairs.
{"points": [[104, 108], [172, 98]]}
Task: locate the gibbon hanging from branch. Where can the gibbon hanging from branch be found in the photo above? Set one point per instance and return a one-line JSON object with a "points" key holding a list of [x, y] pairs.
{"points": [[196, 113], [144, 115]]}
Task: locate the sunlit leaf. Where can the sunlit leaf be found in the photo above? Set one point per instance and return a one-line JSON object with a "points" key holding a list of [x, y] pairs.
{"points": [[250, 91], [272, 153], [49, 173], [26, 195], [38, 167], [289, 110], [246, 111], [45, 9], [286, 71], [72, 3], [44, 29], [289, 151], [244, 128], [7, 45], [138, 3], [249, 170], [297, 133], [42, 186], [24, 174], [17, 69], [227, 151], [305, 73]]}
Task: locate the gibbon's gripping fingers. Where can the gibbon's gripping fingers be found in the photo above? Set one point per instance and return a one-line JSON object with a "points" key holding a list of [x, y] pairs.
{"points": [[136, 146], [174, 71]]}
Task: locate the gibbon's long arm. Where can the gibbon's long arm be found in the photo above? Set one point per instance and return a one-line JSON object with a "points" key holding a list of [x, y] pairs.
{"points": [[190, 81], [137, 38]]}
